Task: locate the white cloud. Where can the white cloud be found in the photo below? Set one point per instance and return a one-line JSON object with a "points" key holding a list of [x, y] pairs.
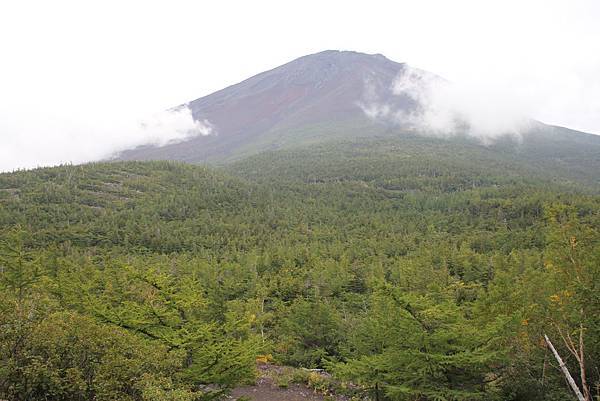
{"points": [[172, 126], [32, 138], [448, 108]]}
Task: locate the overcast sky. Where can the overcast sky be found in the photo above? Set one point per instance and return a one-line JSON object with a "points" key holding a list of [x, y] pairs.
{"points": [[77, 77]]}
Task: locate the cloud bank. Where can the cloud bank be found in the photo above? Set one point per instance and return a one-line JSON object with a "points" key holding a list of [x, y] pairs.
{"points": [[33, 137], [446, 109], [172, 126]]}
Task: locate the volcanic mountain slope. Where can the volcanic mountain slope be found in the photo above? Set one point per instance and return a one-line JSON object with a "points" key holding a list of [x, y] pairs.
{"points": [[315, 96], [332, 96]]}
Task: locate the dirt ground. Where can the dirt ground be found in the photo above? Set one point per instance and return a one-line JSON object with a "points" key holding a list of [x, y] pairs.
{"points": [[267, 390], [270, 392]]}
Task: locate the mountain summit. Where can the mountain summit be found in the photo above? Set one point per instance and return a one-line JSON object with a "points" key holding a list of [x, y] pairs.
{"points": [[315, 95]]}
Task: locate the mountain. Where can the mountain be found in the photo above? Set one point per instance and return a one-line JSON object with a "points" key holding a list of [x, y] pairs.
{"points": [[313, 97], [328, 97], [422, 266], [323, 253]]}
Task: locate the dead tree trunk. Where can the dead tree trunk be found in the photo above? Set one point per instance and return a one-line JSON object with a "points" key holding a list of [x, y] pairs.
{"points": [[565, 371]]}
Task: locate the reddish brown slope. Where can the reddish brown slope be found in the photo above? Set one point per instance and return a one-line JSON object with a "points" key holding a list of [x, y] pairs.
{"points": [[325, 87]]}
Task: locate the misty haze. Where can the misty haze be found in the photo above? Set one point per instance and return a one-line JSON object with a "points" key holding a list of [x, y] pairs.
{"points": [[268, 201]]}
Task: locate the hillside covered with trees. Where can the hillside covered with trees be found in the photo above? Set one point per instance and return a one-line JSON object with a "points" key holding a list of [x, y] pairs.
{"points": [[413, 268]]}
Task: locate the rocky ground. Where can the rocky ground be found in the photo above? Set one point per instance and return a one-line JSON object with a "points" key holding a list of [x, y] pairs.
{"points": [[275, 384]]}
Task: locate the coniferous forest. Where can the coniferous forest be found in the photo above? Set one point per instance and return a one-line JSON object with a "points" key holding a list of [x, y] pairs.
{"points": [[408, 269]]}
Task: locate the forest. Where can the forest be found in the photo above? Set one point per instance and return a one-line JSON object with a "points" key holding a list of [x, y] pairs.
{"points": [[414, 269]]}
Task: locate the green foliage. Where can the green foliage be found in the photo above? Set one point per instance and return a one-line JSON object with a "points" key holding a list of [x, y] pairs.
{"points": [[416, 268], [422, 347], [68, 357], [310, 331]]}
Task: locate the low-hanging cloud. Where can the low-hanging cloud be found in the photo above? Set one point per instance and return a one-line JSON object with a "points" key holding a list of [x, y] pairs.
{"points": [[442, 108], [33, 137], [172, 126]]}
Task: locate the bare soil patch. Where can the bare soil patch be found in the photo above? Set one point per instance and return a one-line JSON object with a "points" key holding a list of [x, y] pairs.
{"points": [[267, 389]]}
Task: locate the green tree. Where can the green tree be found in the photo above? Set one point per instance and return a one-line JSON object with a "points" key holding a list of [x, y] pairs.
{"points": [[422, 347]]}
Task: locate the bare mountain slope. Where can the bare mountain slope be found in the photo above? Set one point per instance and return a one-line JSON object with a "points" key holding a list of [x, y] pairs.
{"points": [[325, 97], [318, 92]]}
